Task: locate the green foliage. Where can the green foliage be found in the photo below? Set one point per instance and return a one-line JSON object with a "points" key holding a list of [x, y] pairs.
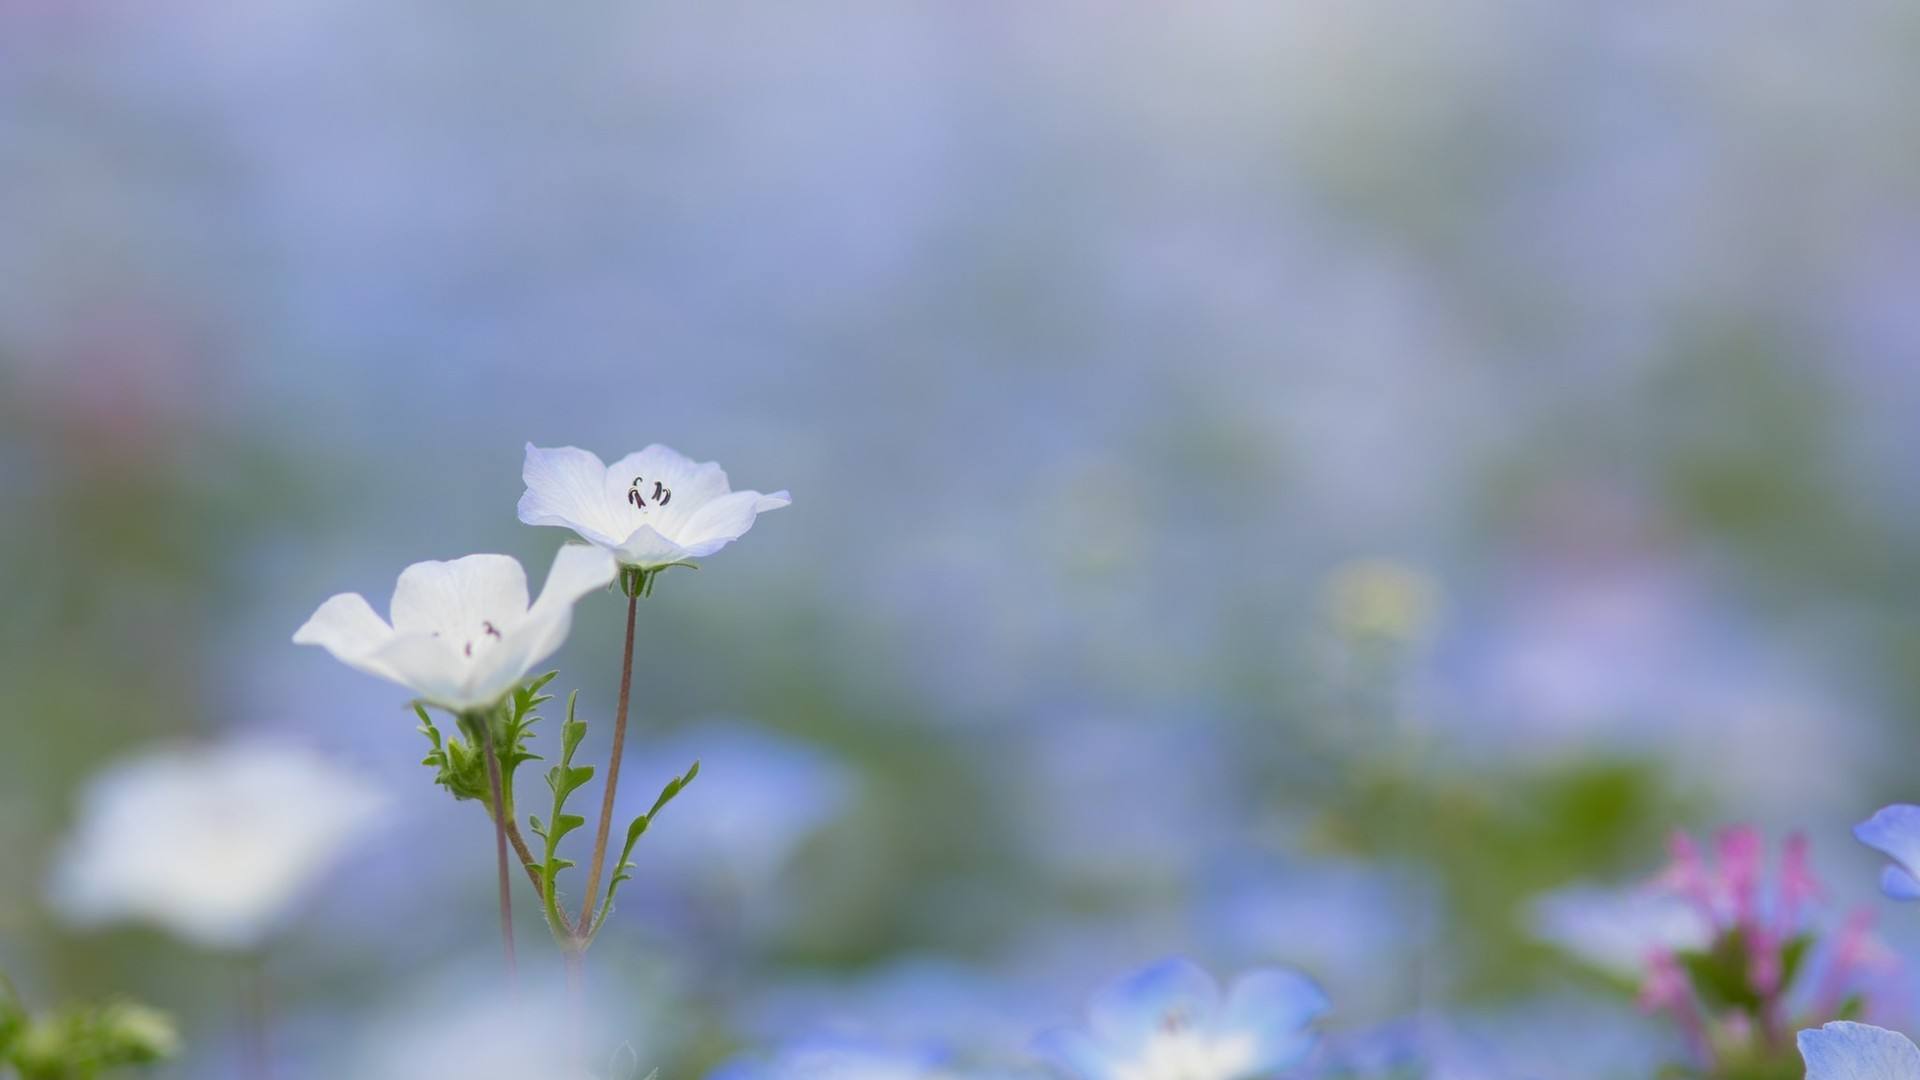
{"points": [[562, 780], [460, 764], [13, 1018], [460, 767], [637, 581], [1722, 974], [82, 1042], [1495, 838], [622, 869], [1759, 1046]]}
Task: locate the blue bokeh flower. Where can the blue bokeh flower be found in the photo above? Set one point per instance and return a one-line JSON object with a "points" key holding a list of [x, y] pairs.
{"points": [[1848, 1051], [1171, 1022], [1895, 832]]}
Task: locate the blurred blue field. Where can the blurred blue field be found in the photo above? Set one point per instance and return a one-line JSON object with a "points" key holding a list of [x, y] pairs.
{"points": [[1280, 484]]}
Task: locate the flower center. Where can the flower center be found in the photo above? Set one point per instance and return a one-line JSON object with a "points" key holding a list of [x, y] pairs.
{"points": [[636, 495], [487, 630]]}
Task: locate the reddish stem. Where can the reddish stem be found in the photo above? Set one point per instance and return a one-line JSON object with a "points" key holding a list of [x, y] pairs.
{"points": [[585, 927]]}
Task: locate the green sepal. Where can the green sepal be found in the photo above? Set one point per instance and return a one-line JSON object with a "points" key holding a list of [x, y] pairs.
{"points": [[460, 761], [637, 581]]}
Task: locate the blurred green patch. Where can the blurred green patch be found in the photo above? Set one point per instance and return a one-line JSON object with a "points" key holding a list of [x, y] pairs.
{"points": [[1493, 839]]}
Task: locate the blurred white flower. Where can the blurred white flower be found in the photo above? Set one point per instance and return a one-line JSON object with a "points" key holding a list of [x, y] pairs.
{"points": [[1171, 1021], [214, 844], [1617, 930], [831, 1058], [653, 508], [465, 1021], [463, 634]]}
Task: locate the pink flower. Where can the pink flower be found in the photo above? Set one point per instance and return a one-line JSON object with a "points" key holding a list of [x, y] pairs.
{"points": [[1666, 985], [1742, 855], [1798, 887], [1686, 876]]}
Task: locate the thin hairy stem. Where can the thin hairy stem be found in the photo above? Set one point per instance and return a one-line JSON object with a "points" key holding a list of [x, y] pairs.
{"points": [[525, 854], [633, 585], [500, 818]]}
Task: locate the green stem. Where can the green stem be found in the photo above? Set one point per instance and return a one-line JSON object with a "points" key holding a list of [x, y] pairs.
{"points": [[525, 854]]}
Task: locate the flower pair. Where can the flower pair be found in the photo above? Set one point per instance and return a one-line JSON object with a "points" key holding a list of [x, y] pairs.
{"points": [[463, 634]]}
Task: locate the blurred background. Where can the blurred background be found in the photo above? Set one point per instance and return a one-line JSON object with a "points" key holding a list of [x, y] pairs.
{"points": [[1275, 482]]}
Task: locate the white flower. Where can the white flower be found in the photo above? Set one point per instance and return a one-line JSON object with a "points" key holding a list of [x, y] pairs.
{"points": [[214, 844], [463, 1023], [654, 508], [463, 635], [1616, 930]]}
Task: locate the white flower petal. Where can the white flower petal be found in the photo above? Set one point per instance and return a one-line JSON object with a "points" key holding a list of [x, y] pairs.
{"points": [[566, 486], [347, 626], [725, 519], [646, 548], [457, 599], [577, 570], [432, 668]]}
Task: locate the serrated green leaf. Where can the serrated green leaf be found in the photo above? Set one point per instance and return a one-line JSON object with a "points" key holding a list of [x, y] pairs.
{"points": [[635, 830], [563, 779]]}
